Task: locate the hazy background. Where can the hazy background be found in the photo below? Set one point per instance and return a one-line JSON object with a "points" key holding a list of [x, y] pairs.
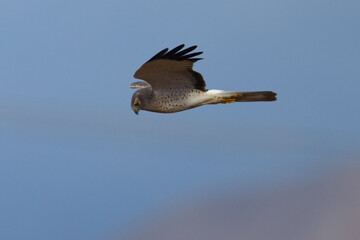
{"points": [[77, 163]]}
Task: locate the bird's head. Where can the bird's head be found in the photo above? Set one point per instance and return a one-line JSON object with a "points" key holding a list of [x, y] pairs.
{"points": [[142, 99], [136, 103]]}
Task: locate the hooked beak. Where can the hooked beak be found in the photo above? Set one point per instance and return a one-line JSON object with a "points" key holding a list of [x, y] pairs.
{"points": [[136, 110]]}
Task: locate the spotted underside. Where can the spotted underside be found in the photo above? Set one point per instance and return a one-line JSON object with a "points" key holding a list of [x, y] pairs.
{"points": [[175, 100]]}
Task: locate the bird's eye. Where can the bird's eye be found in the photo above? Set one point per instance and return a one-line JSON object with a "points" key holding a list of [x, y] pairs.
{"points": [[137, 103]]}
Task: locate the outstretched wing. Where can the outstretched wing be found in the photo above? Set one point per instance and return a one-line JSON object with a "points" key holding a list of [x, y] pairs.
{"points": [[172, 68]]}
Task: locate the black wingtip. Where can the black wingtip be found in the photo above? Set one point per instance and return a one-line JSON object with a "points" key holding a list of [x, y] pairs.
{"points": [[176, 54], [159, 54]]}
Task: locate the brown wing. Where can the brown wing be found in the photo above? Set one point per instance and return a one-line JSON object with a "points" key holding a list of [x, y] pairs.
{"points": [[172, 69]]}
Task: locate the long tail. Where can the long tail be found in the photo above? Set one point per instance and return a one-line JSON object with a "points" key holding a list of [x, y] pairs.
{"points": [[230, 97]]}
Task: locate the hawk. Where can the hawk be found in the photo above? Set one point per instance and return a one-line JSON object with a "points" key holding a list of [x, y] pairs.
{"points": [[171, 85]]}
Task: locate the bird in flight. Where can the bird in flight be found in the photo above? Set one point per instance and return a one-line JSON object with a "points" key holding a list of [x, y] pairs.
{"points": [[171, 85]]}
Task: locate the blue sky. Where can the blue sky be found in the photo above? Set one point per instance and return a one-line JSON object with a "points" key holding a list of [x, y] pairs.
{"points": [[77, 163]]}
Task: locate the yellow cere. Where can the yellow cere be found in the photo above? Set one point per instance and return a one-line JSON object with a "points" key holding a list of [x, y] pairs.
{"points": [[231, 100]]}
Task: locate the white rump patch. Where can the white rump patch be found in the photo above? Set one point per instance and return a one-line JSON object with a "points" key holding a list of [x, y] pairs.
{"points": [[214, 91]]}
